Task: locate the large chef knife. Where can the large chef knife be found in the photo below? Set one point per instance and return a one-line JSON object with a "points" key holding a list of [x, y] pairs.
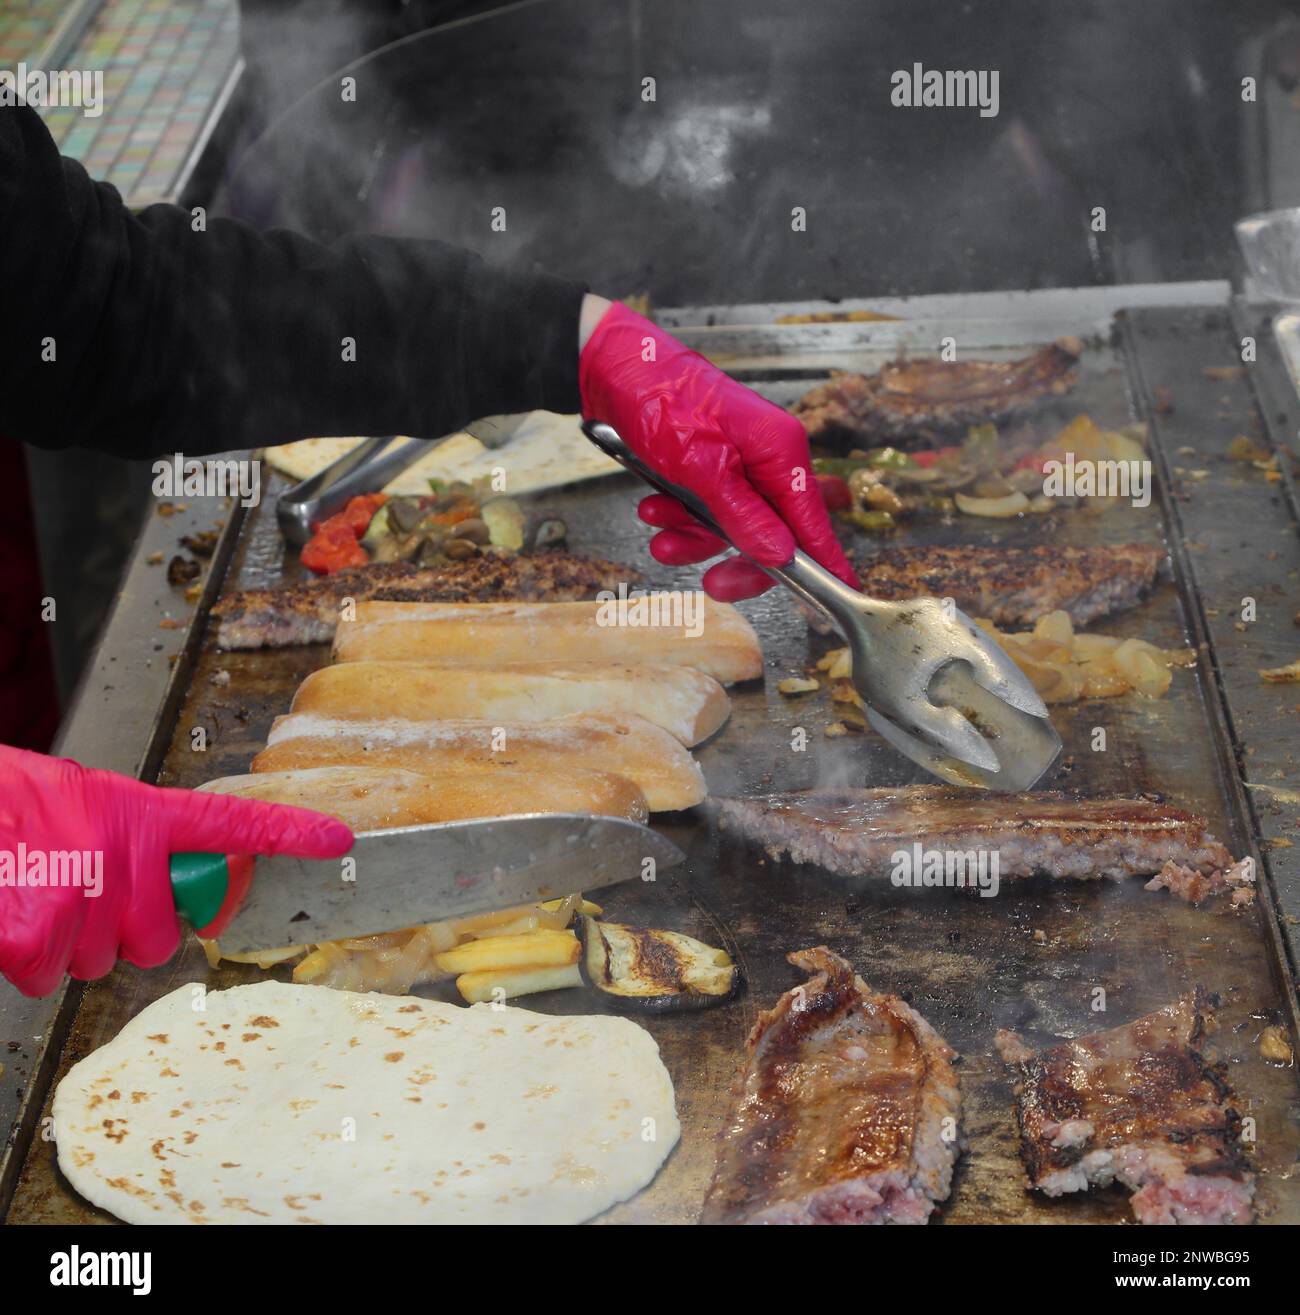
{"points": [[405, 876]]}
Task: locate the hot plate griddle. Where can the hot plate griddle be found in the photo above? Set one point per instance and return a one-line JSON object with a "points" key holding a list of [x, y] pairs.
{"points": [[969, 965]]}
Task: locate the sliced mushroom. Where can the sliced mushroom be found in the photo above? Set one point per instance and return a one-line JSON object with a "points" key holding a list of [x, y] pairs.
{"points": [[429, 551], [474, 529], [403, 514], [544, 532]]}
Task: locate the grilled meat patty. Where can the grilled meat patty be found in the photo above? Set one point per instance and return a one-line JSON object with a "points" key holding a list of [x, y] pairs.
{"points": [[1139, 1105], [856, 832], [308, 613], [1016, 586], [923, 401], [846, 1112]]}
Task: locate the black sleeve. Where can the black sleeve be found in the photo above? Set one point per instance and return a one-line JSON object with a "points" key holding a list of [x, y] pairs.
{"points": [[165, 339]]}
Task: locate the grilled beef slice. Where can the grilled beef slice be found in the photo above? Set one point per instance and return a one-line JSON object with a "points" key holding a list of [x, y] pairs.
{"points": [[1016, 586], [929, 400], [1139, 1105], [846, 1112], [307, 613], [855, 832]]}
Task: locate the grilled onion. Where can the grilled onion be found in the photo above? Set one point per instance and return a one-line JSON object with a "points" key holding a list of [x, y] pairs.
{"points": [[1013, 504], [1064, 666]]}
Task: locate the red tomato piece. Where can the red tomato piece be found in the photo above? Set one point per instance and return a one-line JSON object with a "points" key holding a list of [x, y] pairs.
{"points": [[835, 492], [1032, 461]]}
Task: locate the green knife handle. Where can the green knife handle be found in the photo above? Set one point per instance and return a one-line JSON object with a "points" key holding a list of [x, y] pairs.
{"points": [[199, 885]]}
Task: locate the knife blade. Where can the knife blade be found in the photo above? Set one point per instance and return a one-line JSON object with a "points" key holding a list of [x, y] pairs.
{"points": [[405, 876]]}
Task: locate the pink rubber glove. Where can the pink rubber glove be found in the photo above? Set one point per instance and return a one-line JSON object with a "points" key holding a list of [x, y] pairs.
{"points": [[747, 459], [52, 804]]}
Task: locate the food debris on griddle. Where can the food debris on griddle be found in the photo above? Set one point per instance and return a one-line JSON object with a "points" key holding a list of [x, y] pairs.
{"points": [[203, 544], [180, 570], [1194, 887]]}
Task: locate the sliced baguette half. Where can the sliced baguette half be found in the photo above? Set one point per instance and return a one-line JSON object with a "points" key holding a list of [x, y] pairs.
{"points": [[626, 745], [683, 701], [688, 630], [373, 798]]}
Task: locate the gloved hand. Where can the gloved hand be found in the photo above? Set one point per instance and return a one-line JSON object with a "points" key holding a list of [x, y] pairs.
{"points": [[54, 804], [746, 458]]}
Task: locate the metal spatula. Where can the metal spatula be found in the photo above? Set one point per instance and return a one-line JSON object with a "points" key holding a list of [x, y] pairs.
{"points": [[936, 686]]}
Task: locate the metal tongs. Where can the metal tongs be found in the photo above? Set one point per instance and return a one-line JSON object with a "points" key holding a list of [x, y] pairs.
{"points": [[365, 469], [936, 686]]}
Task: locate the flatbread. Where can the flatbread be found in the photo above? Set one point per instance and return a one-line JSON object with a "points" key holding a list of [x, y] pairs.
{"points": [[545, 451], [301, 1104]]}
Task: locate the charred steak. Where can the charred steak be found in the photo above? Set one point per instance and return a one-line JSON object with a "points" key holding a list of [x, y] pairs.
{"points": [[846, 1113], [307, 613], [857, 832], [1016, 586], [1139, 1105], [928, 400]]}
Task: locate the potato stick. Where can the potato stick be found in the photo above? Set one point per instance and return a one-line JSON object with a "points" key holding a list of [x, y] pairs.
{"points": [[481, 987], [533, 949]]}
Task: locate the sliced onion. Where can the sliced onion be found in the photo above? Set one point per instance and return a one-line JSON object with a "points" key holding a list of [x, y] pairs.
{"points": [[1055, 626], [918, 475], [262, 958], [1090, 646], [1042, 675], [1028, 480], [1147, 675], [1066, 689], [440, 936], [383, 941], [1014, 504], [1063, 666], [407, 968], [1045, 650], [1123, 448], [836, 664], [1104, 686]]}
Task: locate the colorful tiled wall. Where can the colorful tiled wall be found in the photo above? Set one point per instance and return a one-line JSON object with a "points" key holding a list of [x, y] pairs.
{"points": [[164, 64]]}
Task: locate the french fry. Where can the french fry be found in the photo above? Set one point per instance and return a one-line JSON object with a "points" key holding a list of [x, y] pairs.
{"points": [[534, 949], [480, 987]]}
